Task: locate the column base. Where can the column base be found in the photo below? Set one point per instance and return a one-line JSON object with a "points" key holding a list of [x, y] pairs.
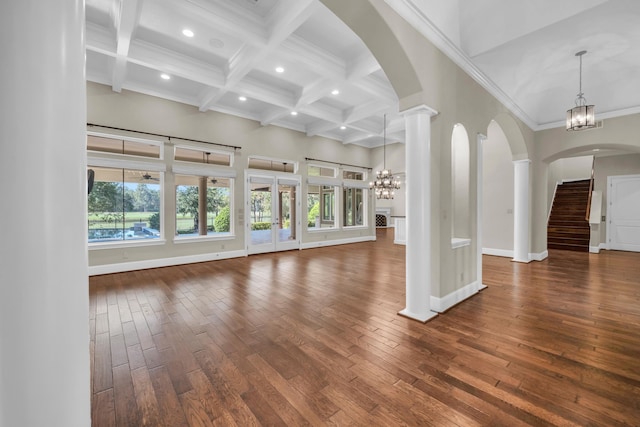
{"points": [[422, 317], [526, 261]]}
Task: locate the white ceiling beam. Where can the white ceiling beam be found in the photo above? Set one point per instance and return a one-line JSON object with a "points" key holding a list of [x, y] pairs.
{"points": [[273, 114], [99, 40], [324, 63], [314, 91], [231, 19], [319, 127], [292, 15], [363, 111], [362, 66], [355, 138], [164, 60], [376, 88], [254, 89], [324, 112], [126, 21]]}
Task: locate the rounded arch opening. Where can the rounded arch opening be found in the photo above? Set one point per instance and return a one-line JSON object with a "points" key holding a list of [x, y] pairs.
{"points": [[513, 135], [460, 182]]}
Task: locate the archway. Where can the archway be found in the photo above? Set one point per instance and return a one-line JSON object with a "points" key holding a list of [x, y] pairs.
{"points": [[505, 190]]}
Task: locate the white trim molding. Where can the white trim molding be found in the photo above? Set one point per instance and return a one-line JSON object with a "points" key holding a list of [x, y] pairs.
{"points": [[443, 304], [497, 252], [162, 262], [323, 243], [540, 256]]}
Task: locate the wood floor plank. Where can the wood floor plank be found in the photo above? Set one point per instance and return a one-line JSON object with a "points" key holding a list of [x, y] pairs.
{"points": [[146, 398], [127, 413], [312, 338]]}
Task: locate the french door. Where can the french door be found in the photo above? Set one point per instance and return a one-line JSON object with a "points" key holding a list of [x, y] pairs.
{"points": [[272, 213]]}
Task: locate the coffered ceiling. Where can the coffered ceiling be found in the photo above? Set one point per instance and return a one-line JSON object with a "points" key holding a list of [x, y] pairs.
{"points": [[231, 64], [522, 51]]}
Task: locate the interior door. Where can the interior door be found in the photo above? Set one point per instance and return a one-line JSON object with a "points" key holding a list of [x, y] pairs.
{"points": [[273, 212], [623, 224]]}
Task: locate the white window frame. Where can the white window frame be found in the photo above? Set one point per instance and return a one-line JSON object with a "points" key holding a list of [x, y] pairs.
{"points": [[210, 171]]}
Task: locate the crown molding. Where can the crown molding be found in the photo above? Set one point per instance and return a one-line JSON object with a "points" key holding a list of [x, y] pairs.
{"points": [[412, 14]]}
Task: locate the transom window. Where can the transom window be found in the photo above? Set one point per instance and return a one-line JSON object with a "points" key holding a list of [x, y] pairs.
{"points": [[313, 170], [271, 165], [130, 147], [201, 155], [356, 175]]}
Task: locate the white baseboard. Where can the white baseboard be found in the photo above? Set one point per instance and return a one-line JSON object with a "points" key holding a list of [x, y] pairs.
{"points": [[497, 252], [443, 304], [162, 262], [311, 245], [539, 256], [594, 249], [509, 254]]}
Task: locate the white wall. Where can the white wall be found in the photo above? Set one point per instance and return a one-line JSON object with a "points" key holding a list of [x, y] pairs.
{"points": [[497, 204]]}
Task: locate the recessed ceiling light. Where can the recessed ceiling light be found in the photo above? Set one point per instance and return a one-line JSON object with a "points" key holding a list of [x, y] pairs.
{"points": [[279, 70], [242, 98], [187, 32], [294, 113], [165, 76], [343, 127], [335, 92], [596, 149]]}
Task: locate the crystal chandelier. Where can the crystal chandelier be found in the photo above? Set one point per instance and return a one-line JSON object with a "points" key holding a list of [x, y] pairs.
{"points": [[385, 183], [582, 116]]}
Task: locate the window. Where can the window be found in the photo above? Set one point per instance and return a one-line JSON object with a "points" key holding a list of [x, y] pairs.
{"points": [[321, 206], [124, 204], [201, 155], [313, 170], [211, 218], [353, 211], [271, 165], [348, 174], [130, 147]]}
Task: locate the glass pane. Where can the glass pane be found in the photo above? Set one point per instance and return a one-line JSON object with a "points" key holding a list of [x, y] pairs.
{"points": [[321, 171], [353, 213], [199, 156], [260, 218], [142, 205], [320, 207], [124, 205], [287, 218], [353, 175], [271, 165], [188, 206], [122, 146]]}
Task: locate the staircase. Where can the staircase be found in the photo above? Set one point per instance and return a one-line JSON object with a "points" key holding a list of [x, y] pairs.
{"points": [[568, 229]]}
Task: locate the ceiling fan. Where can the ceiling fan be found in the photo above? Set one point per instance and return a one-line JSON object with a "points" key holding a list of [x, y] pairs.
{"points": [[147, 177]]}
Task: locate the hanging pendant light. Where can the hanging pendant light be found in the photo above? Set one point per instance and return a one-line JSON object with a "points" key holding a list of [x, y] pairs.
{"points": [[385, 183], [582, 116]]}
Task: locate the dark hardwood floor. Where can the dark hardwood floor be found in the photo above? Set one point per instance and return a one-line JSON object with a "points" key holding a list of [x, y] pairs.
{"points": [[312, 338]]}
